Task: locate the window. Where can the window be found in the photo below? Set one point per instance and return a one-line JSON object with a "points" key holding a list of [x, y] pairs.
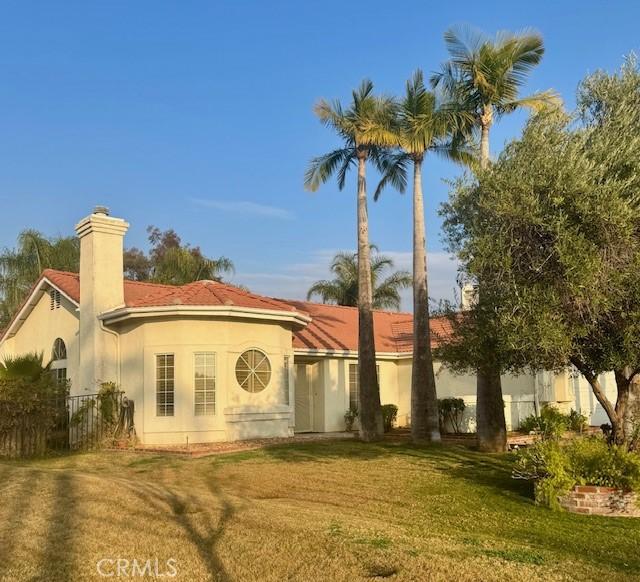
{"points": [[354, 385], [204, 382], [253, 371], [59, 360], [286, 380], [54, 296], [59, 351], [165, 384]]}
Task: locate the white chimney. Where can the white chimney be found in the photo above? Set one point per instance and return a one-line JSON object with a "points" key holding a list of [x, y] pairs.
{"points": [[468, 296], [101, 289]]}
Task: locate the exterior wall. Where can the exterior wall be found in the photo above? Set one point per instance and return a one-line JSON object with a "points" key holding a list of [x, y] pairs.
{"points": [[238, 414], [335, 384], [40, 330], [585, 402]]}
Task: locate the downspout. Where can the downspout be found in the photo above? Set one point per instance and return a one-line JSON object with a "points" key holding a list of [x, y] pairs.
{"points": [[118, 363]]}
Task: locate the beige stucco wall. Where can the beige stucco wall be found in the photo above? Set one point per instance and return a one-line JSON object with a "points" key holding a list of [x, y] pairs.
{"points": [[40, 330], [239, 414], [395, 388]]}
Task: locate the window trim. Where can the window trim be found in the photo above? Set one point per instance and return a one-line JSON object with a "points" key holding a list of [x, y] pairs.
{"points": [[53, 350], [287, 379], [156, 383], [204, 390], [252, 371], [357, 382]]}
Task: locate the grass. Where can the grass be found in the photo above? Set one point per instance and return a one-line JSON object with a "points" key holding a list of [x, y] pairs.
{"points": [[313, 511]]}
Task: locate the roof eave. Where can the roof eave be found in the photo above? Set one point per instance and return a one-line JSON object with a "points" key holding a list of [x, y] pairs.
{"points": [[125, 313], [30, 302]]}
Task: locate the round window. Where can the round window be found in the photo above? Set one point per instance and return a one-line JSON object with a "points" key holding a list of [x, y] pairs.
{"points": [[253, 371]]}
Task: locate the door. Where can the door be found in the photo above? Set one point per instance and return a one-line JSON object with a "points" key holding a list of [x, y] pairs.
{"points": [[304, 399]]}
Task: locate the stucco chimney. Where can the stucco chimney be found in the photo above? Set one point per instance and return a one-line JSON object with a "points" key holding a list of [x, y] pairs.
{"points": [[468, 296], [101, 289]]}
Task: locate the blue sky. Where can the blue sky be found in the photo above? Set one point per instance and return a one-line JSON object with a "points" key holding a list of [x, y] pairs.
{"points": [[198, 116]]}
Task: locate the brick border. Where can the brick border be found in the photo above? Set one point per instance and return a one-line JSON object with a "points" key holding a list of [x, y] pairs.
{"points": [[595, 500]]}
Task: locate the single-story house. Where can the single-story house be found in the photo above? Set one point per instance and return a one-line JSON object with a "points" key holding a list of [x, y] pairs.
{"points": [[209, 361]]}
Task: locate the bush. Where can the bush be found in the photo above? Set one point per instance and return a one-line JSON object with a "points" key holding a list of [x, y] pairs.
{"points": [[551, 423], [577, 421], [30, 412], [350, 418], [557, 468], [389, 415], [450, 412]]}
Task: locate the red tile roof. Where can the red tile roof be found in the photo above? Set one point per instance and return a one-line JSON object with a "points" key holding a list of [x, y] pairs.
{"points": [[332, 327], [205, 293]]}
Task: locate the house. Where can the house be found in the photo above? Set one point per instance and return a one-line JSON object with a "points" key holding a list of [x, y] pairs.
{"points": [[208, 361]]}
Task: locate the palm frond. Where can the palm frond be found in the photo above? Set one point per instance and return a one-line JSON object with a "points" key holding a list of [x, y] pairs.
{"points": [[323, 167], [393, 168]]}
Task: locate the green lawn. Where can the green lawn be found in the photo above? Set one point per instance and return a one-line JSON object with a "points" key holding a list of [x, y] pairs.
{"points": [[317, 511]]}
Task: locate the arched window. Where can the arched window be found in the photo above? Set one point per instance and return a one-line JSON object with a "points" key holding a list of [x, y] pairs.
{"points": [[59, 350], [59, 360]]}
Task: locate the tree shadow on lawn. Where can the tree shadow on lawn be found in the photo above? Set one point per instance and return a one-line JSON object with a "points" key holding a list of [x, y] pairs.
{"points": [[489, 486], [183, 511], [493, 471]]}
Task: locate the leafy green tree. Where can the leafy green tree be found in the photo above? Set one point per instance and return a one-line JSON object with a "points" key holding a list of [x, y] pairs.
{"points": [[172, 262], [423, 126], [553, 232], [343, 289], [364, 128], [21, 267], [484, 76]]}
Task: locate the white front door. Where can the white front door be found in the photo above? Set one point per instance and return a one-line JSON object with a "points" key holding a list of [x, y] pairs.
{"points": [[304, 399]]}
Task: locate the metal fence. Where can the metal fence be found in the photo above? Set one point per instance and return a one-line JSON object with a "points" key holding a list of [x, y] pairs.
{"points": [[67, 423]]}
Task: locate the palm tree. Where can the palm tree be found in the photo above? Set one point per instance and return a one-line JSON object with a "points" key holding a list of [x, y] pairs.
{"points": [[21, 267], [28, 366], [343, 289], [182, 265], [484, 76], [424, 125], [364, 128]]}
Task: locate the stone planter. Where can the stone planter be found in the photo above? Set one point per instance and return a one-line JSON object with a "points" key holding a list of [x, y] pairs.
{"points": [[592, 500]]}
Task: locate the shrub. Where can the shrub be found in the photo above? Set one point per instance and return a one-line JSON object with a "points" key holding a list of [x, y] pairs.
{"points": [[389, 415], [350, 418], [556, 468], [551, 423], [30, 412], [450, 412], [577, 421]]}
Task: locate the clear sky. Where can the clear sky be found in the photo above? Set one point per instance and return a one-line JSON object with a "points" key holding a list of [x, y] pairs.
{"points": [[197, 116]]}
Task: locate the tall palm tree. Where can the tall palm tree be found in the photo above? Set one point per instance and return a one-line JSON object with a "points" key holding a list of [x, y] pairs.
{"points": [[484, 76], [343, 289], [424, 126], [364, 128]]}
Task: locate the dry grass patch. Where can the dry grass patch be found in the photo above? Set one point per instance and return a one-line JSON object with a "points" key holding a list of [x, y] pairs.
{"points": [[317, 511]]}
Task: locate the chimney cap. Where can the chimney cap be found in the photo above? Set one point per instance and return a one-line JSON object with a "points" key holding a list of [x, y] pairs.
{"points": [[101, 210]]}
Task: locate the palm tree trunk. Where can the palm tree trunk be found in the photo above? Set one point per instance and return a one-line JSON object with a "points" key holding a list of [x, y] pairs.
{"points": [[370, 413], [484, 146], [424, 400], [491, 425]]}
